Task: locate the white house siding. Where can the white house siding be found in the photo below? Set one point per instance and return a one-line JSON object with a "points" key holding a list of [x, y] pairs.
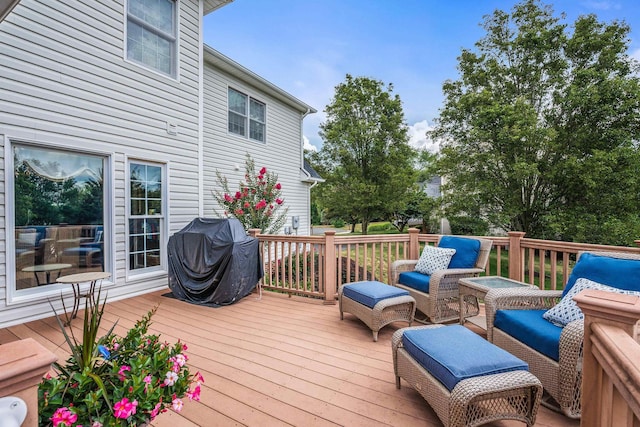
{"points": [[63, 81], [226, 152]]}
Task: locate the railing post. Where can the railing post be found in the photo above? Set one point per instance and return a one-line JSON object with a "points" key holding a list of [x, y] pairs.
{"points": [[22, 366], [253, 232], [414, 244], [515, 257], [330, 270], [621, 311]]}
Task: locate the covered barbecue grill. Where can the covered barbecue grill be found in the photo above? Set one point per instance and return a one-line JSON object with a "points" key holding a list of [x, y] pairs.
{"points": [[213, 262]]}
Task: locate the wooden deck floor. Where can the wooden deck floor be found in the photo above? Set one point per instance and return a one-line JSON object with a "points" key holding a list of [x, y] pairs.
{"points": [[275, 361]]}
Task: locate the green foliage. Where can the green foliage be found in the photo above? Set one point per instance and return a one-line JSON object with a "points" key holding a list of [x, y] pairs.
{"points": [[381, 227], [468, 225], [366, 159], [115, 381], [257, 202], [418, 206], [538, 133], [338, 223], [316, 218]]}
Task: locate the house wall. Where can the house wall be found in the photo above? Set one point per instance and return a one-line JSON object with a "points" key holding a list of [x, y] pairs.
{"points": [[64, 82], [226, 152]]}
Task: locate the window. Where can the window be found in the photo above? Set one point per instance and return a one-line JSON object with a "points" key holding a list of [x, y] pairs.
{"points": [[239, 103], [151, 34], [59, 214], [146, 215]]}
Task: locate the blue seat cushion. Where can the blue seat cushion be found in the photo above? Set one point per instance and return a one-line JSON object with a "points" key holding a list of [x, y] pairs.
{"points": [[454, 353], [467, 250], [369, 293], [415, 280], [614, 272], [530, 328]]}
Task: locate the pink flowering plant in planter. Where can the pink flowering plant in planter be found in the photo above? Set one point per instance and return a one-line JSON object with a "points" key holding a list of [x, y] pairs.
{"points": [[258, 202], [114, 380]]}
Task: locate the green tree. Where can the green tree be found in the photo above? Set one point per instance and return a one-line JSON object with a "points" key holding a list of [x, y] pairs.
{"points": [[538, 133], [366, 155]]}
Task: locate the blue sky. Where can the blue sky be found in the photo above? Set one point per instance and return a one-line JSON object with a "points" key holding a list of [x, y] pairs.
{"points": [[306, 47]]}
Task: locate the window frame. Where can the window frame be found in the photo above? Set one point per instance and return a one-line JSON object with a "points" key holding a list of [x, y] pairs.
{"points": [[52, 291], [173, 39], [247, 116], [163, 219]]}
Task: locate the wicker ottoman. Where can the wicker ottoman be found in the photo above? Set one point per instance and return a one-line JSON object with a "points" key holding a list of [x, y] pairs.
{"points": [[459, 393], [376, 304]]}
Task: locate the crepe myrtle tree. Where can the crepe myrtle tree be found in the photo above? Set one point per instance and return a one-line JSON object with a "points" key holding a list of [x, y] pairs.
{"points": [[258, 202]]}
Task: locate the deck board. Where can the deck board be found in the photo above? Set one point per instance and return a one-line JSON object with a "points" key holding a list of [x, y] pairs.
{"points": [[273, 361]]}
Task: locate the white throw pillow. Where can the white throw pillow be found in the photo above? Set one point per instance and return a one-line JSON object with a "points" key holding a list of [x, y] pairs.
{"points": [[434, 259], [28, 239], [566, 311]]}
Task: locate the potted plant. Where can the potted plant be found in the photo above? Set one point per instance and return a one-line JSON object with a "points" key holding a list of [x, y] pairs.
{"points": [[115, 380]]}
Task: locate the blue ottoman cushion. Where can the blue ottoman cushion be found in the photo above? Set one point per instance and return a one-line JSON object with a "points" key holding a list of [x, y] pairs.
{"points": [[530, 328], [454, 353], [415, 280], [371, 292]]}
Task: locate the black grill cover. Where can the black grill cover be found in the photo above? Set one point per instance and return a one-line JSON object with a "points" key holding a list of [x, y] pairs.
{"points": [[213, 262]]}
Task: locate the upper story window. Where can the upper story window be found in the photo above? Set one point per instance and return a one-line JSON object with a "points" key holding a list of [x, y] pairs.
{"points": [[151, 34], [243, 109]]}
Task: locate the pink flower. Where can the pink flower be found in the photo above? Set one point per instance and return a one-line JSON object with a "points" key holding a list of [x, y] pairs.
{"points": [[228, 198], [261, 204], [124, 409], [96, 424], [199, 378], [156, 410], [171, 378], [123, 369], [260, 178], [239, 212], [63, 417], [195, 394], [184, 347], [247, 205], [177, 405], [278, 186], [238, 195], [263, 171], [279, 201]]}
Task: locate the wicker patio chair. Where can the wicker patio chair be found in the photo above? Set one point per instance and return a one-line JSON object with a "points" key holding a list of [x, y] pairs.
{"points": [[562, 378], [441, 304]]}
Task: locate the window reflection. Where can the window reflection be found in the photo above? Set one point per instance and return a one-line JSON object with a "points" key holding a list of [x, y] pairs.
{"points": [[59, 214]]}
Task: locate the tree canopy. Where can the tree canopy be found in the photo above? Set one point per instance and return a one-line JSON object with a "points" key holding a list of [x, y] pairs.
{"points": [[539, 134], [366, 158]]}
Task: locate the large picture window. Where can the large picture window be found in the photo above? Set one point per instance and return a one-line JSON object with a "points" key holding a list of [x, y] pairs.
{"points": [[151, 34], [146, 215], [244, 109], [58, 214]]}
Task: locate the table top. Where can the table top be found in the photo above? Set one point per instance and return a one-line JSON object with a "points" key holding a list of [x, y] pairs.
{"points": [[46, 267], [485, 283], [84, 277]]}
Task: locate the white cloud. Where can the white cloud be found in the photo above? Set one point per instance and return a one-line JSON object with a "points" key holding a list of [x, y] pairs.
{"points": [[603, 5], [635, 54], [418, 137], [307, 145]]}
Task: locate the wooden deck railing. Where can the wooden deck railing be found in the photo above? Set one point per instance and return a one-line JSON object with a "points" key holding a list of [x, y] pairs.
{"points": [[610, 371], [316, 265]]}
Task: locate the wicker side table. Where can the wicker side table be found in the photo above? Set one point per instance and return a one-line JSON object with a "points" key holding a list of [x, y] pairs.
{"points": [[401, 308], [474, 401]]}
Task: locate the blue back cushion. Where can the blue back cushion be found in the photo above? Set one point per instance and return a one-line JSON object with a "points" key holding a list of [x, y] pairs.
{"points": [[615, 272], [454, 353], [530, 328], [371, 292], [415, 280], [467, 250]]}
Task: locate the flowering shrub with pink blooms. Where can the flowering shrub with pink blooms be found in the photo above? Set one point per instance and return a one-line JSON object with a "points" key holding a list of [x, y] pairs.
{"points": [[117, 381], [258, 201]]}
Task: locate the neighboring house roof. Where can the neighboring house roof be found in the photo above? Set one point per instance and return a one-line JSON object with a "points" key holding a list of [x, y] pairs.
{"points": [[211, 5], [311, 173], [247, 76]]}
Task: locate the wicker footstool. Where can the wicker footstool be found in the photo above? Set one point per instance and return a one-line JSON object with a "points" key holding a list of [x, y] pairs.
{"points": [[467, 380], [376, 304]]}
